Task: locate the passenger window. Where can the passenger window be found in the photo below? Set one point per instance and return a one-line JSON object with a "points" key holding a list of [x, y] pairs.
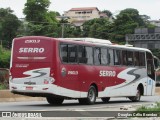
{"points": [[117, 57], [124, 57], [104, 56], [64, 52], [142, 59], [89, 55], [97, 56], [82, 55], [111, 57], [136, 58], [85, 55], [129, 58], [72, 53]]}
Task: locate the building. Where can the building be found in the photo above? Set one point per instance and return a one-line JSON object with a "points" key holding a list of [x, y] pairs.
{"points": [[155, 22], [78, 16], [145, 38]]}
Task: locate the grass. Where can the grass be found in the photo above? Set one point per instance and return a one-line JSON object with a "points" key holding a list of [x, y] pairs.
{"points": [[150, 110], [3, 87]]}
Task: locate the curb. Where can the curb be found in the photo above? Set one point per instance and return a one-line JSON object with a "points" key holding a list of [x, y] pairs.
{"points": [[7, 96]]}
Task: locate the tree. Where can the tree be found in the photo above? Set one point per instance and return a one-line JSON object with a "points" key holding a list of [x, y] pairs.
{"points": [[108, 13], [97, 28], [35, 10], [125, 23], [40, 20], [9, 25]]}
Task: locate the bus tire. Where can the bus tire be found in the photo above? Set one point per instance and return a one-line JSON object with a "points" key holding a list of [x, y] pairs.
{"points": [[91, 97], [137, 97], [55, 101], [105, 99]]}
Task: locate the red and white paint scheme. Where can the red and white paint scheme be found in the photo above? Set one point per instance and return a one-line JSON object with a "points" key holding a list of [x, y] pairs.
{"points": [[79, 68]]}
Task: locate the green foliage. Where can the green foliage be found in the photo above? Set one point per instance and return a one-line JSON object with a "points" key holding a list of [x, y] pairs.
{"points": [[107, 12], [3, 87], [97, 28], [9, 25], [4, 58], [156, 52], [144, 108], [40, 20], [125, 23]]}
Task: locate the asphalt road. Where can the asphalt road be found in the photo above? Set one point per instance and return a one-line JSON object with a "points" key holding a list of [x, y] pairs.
{"points": [[73, 105]]}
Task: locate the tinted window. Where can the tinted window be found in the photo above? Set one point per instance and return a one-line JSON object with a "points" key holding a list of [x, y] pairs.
{"points": [[82, 55], [85, 55], [111, 57], [64, 52], [89, 55], [72, 53], [124, 57], [129, 58], [141, 59], [136, 58], [97, 56], [117, 57], [104, 56]]}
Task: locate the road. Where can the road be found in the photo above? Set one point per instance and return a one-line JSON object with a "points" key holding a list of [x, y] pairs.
{"points": [[71, 105]]}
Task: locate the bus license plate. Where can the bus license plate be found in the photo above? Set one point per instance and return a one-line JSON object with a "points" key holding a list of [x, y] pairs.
{"points": [[29, 88]]}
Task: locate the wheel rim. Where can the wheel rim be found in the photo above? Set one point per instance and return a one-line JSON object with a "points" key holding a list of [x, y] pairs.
{"points": [[91, 95]]}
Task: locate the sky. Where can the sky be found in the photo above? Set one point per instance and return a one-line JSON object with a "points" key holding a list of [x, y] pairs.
{"points": [[145, 7]]}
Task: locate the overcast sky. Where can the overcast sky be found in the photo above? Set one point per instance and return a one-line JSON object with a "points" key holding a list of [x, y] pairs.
{"points": [[147, 7]]}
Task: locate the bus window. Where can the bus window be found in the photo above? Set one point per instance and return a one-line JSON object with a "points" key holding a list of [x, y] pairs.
{"points": [[111, 57], [136, 58], [72, 53], [141, 59], [97, 57], [124, 57], [64, 52], [82, 55], [89, 55], [117, 57], [129, 58], [104, 56]]}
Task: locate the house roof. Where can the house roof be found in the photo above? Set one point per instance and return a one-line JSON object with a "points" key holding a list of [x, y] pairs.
{"points": [[84, 8]]}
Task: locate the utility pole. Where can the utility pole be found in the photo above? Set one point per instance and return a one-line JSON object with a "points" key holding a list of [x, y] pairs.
{"points": [[62, 30]]}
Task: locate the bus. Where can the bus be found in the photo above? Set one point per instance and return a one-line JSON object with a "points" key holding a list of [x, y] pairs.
{"points": [[80, 68], [157, 68]]}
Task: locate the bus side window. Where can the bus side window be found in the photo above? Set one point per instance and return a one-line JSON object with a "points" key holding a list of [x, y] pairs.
{"points": [[142, 59], [104, 56], [117, 57], [124, 57], [97, 56], [111, 57], [136, 58], [82, 54], [130, 58], [72, 53], [64, 52], [89, 55]]}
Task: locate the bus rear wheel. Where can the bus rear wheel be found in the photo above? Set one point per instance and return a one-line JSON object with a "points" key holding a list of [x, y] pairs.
{"points": [[54, 100], [91, 97], [137, 97], [105, 99]]}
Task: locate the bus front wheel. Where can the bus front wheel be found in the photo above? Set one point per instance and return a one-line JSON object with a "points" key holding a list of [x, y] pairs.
{"points": [[55, 101]]}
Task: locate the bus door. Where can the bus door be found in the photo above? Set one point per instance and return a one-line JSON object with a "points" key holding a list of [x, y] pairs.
{"points": [[69, 70], [150, 74]]}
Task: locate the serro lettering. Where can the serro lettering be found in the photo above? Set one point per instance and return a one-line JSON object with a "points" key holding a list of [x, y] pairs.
{"points": [[103, 73], [31, 50]]}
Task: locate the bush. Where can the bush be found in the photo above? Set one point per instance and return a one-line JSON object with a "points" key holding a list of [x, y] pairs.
{"points": [[4, 58]]}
